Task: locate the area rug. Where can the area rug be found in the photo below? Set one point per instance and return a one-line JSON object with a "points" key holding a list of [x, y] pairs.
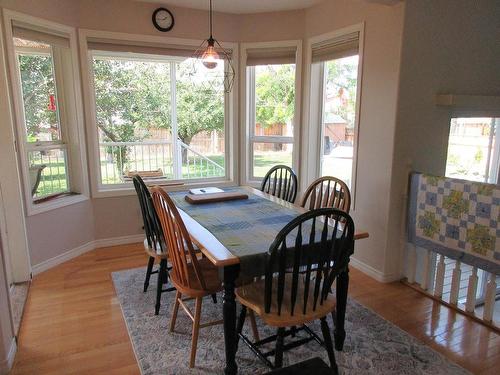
{"points": [[373, 345]]}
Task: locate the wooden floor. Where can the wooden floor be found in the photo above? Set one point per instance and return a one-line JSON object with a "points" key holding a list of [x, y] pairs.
{"points": [[73, 324]]}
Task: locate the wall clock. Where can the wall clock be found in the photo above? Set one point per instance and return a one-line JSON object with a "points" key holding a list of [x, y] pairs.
{"points": [[163, 19]]}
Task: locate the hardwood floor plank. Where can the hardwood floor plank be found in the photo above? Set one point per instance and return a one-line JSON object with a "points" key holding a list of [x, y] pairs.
{"points": [[73, 322]]}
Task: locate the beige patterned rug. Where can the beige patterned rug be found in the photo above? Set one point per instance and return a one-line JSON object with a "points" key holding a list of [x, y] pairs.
{"points": [[373, 345]]}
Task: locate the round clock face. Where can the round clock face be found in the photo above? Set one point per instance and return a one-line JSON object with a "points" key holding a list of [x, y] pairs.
{"points": [[163, 19]]}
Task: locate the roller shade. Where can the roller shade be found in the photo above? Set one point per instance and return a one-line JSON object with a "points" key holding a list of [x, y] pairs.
{"points": [[267, 56], [345, 46], [114, 45], [22, 32]]}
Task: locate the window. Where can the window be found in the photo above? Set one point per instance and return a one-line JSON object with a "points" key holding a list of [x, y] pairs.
{"points": [[46, 148], [339, 117], [271, 77], [49, 126], [334, 78], [474, 149], [273, 112], [160, 115]]}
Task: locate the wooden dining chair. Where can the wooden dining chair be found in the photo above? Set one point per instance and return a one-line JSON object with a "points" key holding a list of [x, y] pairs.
{"points": [[154, 243], [193, 277], [281, 182], [320, 240], [325, 192]]}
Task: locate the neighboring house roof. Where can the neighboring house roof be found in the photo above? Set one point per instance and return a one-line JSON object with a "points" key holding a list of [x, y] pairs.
{"points": [[332, 118]]}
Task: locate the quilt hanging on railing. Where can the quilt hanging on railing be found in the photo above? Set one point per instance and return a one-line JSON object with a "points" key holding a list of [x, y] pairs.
{"points": [[456, 218]]}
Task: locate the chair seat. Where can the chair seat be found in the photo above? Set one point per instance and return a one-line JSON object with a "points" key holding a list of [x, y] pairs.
{"points": [[154, 252], [252, 296], [157, 253], [210, 274]]}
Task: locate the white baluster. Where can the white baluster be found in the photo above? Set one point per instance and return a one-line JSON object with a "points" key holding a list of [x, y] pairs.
{"points": [[438, 290], [489, 300], [455, 283], [424, 284], [470, 305], [412, 262]]}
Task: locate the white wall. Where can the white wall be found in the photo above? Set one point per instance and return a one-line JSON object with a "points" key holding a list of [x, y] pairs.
{"points": [[450, 46]]}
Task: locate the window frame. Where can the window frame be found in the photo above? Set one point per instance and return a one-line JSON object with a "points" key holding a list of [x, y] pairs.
{"points": [[247, 116], [110, 190], [313, 108], [70, 107], [477, 113], [62, 121]]}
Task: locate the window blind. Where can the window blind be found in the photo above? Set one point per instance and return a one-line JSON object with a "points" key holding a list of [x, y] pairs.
{"points": [[35, 35], [268, 56], [345, 46], [115, 45]]}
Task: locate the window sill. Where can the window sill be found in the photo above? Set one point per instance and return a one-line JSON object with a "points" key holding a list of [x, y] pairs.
{"points": [[55, 203], [120, 190]]}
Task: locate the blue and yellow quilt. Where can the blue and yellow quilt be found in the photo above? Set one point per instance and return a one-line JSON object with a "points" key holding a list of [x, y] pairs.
{"points": [[457, 218]]}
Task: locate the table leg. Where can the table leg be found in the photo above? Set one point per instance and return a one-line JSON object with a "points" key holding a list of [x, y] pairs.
{"points": [[229, 314], [342, 287]]}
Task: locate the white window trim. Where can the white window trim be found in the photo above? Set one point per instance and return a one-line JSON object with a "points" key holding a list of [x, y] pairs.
{"points": [[475, 110], [312, 134], [246, 118], [78, 179], [230, 118]]}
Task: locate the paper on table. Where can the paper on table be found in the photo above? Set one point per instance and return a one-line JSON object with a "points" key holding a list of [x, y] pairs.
{"points": [[206, 190]]}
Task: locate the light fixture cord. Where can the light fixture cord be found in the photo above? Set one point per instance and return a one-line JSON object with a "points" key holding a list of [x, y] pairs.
{"points": [[210, 19]]}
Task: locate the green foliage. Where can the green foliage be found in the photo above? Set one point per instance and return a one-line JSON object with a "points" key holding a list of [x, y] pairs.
{"points": [[275, 94], [37, 82], [200, 104], [478, 157], [131, 98], [341, 77]]}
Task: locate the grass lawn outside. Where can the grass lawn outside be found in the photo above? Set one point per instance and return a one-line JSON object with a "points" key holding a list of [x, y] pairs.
{"points": [[54, 181], [263, 161]]}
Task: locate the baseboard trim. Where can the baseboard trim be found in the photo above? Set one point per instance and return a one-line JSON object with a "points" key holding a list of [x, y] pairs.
{"points": [[6, 364], [115, 241], [374, 273], [64, 257], [123, 240], [89, 246]]}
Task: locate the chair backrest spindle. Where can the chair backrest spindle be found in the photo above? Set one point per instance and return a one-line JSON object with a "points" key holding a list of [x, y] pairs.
{"points": [[281, 182], [323, 253], [327, 191], [152, 227], [180, 248]]}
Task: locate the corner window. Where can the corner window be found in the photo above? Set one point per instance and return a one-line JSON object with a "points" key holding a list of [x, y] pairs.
{"points": [[158, 115], [334, 100], [339, 117], [273, 112], [49, 127], [47, 155], [271, 76], [474, 149]]}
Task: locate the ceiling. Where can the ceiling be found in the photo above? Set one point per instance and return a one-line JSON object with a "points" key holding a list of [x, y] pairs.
{"points": [[241, 6]]}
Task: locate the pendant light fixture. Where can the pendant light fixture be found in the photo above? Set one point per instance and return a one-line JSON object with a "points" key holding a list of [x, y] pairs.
{"points": [[211, 54]]}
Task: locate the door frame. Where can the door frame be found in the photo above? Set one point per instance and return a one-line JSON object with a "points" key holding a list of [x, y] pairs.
{"points": [[13, 227]]}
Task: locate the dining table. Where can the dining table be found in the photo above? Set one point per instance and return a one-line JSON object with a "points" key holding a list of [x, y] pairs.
{"points": [[235, 236]]}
